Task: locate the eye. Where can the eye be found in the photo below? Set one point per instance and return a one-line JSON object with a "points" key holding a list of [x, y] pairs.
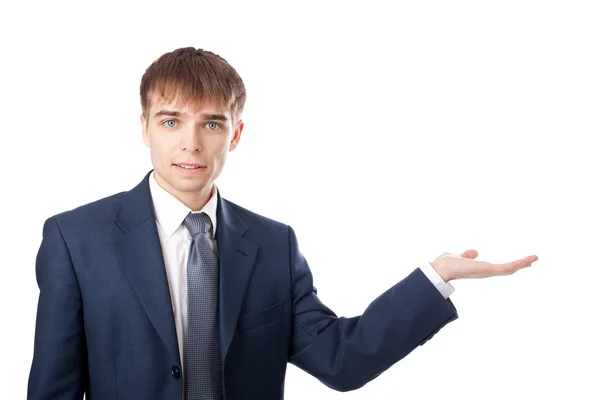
{"points": [[213, 125], [170, 125]]}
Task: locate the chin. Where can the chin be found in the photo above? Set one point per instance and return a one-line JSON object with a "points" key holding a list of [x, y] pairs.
{"points": [[191, 186]]}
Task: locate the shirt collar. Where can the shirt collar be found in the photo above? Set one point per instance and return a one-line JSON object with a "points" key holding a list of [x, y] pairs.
{"points": [[170, 212]]}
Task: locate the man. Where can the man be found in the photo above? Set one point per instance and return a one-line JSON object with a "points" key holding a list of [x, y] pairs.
{"points": [[170, 291]]}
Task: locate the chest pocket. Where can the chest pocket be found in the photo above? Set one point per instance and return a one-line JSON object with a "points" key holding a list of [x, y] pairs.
{"points": [[261, 317]]}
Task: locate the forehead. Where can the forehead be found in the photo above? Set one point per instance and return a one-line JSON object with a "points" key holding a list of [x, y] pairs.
{"points": [[186, 107]]}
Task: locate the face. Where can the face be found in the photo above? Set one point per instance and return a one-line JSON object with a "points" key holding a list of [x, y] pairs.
{"points": [[178, 138]]}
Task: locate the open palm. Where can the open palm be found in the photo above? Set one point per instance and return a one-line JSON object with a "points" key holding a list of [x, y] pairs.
{"points": [[451, 266]]}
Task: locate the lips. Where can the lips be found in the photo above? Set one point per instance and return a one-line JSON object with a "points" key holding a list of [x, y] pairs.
{"points": [[190, 169], [188, 165]]}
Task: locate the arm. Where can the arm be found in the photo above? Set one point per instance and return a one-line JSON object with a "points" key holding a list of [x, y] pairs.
{"points": [[346, 353], [59, 367]]}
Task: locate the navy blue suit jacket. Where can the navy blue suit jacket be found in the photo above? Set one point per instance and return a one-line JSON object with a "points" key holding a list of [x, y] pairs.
{"points": [[105, 322]]}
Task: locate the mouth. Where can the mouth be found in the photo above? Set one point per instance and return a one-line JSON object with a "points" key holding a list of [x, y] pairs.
{"points": [[190, 168]]}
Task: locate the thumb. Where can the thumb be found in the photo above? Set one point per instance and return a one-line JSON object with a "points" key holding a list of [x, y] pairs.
{"points": [[470, 254]]}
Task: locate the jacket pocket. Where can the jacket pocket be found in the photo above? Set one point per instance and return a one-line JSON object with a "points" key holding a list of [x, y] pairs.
{"points": [[261, 317]]}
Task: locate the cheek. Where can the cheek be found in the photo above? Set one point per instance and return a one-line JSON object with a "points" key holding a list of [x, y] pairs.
{"points": [[218, 149], [163, 149], [223, 152]]}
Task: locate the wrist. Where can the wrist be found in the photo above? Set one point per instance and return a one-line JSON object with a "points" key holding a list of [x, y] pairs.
{"points": [[442, 272]]}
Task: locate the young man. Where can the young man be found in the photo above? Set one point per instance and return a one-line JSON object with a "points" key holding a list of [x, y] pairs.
{"points": [[170, 291]]}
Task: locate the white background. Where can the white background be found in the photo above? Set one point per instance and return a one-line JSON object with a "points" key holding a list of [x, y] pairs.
{"points": [[383, 133]]}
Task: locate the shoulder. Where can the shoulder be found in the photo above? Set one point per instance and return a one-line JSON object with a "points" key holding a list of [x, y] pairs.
{"points": [[98, 215], [101, 208], [257, 222]]}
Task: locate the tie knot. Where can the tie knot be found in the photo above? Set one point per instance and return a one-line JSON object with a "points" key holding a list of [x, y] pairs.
{"points": [[197, 222]]}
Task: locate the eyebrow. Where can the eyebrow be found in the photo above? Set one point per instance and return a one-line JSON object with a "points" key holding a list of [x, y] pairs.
{"points": [[217, 117]]}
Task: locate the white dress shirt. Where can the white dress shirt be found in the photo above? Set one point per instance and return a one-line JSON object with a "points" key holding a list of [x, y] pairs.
{"points": [[175, 241]]}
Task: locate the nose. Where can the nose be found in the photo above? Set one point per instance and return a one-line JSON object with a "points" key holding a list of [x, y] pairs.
{"points": [[190, 139]]}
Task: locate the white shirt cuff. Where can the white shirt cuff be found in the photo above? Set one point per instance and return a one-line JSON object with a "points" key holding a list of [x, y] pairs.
{"points": [[445, 288]]}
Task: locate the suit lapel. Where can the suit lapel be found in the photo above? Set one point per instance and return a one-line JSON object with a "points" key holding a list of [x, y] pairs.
{"points": [[142, 260], [236, 261], [141, 256]]}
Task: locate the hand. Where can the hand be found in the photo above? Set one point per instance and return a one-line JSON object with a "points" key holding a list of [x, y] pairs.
{"points": [[450, 266]]}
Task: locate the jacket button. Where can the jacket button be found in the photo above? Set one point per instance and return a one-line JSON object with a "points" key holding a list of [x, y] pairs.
{"points": [[175, 372]]}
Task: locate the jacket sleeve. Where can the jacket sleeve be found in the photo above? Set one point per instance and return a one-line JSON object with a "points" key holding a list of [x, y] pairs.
{"points": [[346, 353], [59, 367]]}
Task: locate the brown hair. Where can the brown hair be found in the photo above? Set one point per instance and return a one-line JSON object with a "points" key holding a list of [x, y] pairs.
{"points": [[193, 76]]}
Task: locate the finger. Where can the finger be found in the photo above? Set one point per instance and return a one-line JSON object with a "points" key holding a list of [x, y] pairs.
{"points": [[527, 261], [512, 267], [522, 261], [531, 259]]}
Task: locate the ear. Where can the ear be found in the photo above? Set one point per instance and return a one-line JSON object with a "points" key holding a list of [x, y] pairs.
{"points": [[237, 135], [145, 130]]}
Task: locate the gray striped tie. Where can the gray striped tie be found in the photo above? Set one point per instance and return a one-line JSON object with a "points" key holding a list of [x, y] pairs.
{"points": [[202, 354]]}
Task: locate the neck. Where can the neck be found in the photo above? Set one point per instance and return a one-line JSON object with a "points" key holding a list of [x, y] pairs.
{"points": [[193, 200]]}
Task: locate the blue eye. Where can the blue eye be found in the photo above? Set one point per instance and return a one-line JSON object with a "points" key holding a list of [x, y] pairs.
{"points": [[213, 125], [170, 125]]}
